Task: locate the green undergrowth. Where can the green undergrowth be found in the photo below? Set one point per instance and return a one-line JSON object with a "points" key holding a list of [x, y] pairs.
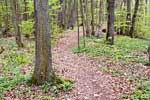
{"points": [[126, 50], [142, 92], [59, 84], [11, 64], [113, 72]]}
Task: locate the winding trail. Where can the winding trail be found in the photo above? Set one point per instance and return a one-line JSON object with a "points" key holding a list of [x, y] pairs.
{"points": [[90, 82]]}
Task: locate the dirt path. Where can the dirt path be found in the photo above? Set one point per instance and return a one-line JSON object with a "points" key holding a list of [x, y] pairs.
{"points": [[90, 82]]}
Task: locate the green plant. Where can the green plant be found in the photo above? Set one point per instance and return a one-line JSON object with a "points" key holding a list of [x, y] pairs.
{"points": [[142, 92], [113, 72], [27, 27], [123, 51], [60, 84]]}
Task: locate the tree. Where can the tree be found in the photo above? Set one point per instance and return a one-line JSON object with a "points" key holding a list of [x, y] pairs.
{"points": [[110, 23], [16, 21], [82, 17], [43, 70], [87, 19], [101, 12], [132, 29], [128, 18], [92, 13], [25, 10]]}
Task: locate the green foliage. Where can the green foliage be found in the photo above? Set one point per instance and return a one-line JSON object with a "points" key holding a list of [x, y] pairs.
{"points": [[27, 27], [120, 19], [8, 84], [59, 84], [56, 33], [142, 25], [142, 92], [124, 49], [113, 72], [11, 74], [15, 58]]}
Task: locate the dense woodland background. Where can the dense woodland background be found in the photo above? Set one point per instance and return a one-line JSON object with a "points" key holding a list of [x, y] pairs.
{"points": [[114, 34]]}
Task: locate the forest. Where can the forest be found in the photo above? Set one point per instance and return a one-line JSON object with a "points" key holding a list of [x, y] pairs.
{"points": [[74, 49]]}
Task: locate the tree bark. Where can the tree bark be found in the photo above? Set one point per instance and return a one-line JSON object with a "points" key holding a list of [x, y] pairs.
{"points": [[92, 13], [110, 23], [87, 19], [132, 29], [25, 16], [128, 18], [43, 71], [16, 21]]}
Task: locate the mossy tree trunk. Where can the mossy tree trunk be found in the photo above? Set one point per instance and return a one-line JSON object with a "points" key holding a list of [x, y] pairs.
{"points": [[43, 71]]}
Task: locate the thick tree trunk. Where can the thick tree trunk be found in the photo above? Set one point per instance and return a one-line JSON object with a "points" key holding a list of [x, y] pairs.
{"points": [[110, 24], [43, 71], [132, 29]]}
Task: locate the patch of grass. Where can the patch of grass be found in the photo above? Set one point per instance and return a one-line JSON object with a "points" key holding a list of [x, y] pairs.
{"points": [[131, 43], [142, 92], [47, 97], [59, 84], [123, 51], [113, 72], [11, 64], [7, 83], [17, 58], [2, 41]]}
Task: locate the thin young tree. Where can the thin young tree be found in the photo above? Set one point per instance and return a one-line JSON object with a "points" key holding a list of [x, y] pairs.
{"points": [[92, 14], [87, 25], [82, 17], [25, 15], [16, 21], [128, 18], [78, 24], [134, 17]]}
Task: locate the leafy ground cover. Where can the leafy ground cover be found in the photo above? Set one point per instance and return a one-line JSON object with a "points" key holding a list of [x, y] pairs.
{"points": [[16, 68]]}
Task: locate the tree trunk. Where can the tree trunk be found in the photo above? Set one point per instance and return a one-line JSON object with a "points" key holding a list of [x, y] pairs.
{"points": [[132, 29], [7, 16], [78, 23], [100, 12], [92, 13], [25, 16], [87, 19], [43, 71], [128, 18], [82, 17], [110, 24], [16, 21]]}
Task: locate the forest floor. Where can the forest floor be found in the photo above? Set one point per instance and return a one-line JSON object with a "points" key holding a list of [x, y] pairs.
{"points": [[90, 82], [96, 78]]}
